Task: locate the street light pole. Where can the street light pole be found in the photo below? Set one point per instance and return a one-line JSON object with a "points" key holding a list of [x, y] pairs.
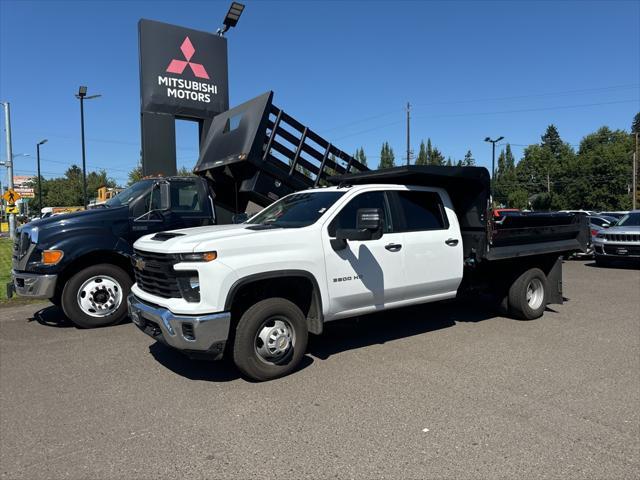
{"points": [[39, 178], [7, 128], [493, 160], [82, 95]]}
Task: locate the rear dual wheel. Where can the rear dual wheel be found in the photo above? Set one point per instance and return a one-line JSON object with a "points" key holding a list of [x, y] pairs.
{"points": [[527, 298]]}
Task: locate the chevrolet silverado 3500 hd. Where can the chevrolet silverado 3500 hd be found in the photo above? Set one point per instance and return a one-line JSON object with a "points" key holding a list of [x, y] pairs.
{"points": [[379, 240]]}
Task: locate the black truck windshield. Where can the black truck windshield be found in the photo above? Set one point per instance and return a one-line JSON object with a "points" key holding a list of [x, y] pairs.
{"points": [[297, 210], [630, 220], [130, 193]]}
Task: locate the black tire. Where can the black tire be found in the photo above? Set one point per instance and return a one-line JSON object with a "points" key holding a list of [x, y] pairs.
{"points": [[245, 346], [520, 306], [602, 261], [57, 298], [70, 292]]}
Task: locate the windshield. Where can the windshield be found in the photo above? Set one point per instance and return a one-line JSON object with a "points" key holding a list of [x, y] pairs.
{"points": [[630, 220], [129, 193], [297, 210]]}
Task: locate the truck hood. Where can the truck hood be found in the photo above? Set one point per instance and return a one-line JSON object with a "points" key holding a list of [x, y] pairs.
{"points": [[622, 229], [103, 220], [186, 240]]}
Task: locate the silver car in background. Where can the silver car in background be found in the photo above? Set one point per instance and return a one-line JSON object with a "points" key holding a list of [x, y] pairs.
{"points": [[619, 242]]}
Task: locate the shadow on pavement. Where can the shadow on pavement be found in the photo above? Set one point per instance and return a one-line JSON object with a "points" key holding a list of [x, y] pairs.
{"points": [[211, 371], [214, 371], [383, 327], [52, 316]]}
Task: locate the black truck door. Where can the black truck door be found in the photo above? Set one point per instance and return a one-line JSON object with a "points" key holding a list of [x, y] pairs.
{"points": [[190, 204]]}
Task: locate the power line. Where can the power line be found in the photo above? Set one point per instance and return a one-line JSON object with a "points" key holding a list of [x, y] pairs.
{"points": [[536, 95], [457, 102], [538, 109]]}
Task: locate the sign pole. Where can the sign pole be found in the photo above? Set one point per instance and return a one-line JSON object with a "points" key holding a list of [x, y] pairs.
{"points": [[7, 128]]}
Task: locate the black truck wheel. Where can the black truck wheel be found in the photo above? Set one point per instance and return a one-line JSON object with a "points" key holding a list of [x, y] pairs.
{"points": [[270, 339], [527, 297], [97, 296]]}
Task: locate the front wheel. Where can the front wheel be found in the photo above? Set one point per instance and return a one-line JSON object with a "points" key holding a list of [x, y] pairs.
{"points": [[97, 296], [527, 297], [270, 339]]}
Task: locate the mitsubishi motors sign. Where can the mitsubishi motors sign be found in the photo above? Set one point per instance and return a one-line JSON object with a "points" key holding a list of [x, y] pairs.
{"points": [[183, 75], [182, 71]]}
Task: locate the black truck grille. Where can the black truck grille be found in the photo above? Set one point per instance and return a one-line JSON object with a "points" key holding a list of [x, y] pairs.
{"points": [[21, 245], [155, 275]]}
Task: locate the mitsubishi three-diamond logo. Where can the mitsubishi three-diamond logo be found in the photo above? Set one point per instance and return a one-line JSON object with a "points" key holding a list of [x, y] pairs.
{"points": [[178, 66], [183, 88]]}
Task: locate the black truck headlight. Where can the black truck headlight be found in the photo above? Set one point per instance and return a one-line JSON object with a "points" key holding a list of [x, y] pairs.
{"points": [[189, 285]]}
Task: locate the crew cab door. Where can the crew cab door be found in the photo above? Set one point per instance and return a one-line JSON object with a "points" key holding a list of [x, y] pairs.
{"points": [[365, 275], [432, 243], [188, 206]]}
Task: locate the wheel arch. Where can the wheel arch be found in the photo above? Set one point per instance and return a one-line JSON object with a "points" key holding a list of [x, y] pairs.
{"points": [[299, 286], [94, 257]]}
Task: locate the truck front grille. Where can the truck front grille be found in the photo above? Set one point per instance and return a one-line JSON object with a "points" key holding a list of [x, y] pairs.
{"points": [[155, 275], [622, 237], [21, 245]]}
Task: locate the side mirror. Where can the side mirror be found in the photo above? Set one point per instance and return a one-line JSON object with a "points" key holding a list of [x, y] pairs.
{"points": [[239, 217], [165, 196], [369, 219], [368, 227]]}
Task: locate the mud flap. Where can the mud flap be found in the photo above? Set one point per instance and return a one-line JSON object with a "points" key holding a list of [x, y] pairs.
{"points": [[554, 283]]}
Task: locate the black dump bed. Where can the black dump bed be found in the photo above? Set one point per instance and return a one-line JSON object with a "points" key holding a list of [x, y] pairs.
{"points": [[484, 239], [257, 152]]}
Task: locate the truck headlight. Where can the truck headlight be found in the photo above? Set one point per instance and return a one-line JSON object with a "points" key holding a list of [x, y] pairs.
{"points": [[600, 235], [189, 285], [199, 257]]}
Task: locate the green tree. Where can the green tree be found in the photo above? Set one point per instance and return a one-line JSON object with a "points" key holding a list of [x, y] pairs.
{"points": [[599, 176], [360, 156], [468, 161], [422, 158], [437, 158], [387, 157], [635, 126], [135, 175]]}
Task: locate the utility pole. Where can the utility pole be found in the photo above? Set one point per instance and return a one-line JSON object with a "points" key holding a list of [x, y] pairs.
{"points": [[7, 128], [635, 176], [408, 133]]}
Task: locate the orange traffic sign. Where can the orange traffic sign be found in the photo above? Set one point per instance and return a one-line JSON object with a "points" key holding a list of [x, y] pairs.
{"points": [[11, 196]]}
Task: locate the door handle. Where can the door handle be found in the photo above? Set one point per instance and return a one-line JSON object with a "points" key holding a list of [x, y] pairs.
{"points": [[393, 247], [452, 242]]}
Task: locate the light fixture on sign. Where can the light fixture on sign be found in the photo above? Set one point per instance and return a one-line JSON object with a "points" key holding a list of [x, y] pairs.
{"points": [[232, 17]]}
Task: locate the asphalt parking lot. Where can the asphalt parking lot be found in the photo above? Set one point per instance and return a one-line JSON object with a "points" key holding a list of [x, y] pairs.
{"points": [[440, 391]]}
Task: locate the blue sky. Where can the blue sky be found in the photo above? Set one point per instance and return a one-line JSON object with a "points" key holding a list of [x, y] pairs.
{"points": [[346, 69]]}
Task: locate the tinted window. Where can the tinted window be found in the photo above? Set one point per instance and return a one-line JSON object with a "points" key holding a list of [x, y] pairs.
{"points": [[422, 211], [346, 219], [296, 210], [184, 196]]}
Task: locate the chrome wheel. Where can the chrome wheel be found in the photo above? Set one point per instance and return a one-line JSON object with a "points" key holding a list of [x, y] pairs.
{"points": [[275, 340], [535, 293], [99, 296]]}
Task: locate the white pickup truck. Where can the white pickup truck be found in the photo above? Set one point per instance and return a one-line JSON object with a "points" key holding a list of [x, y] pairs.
{"points": [[255, 290]]}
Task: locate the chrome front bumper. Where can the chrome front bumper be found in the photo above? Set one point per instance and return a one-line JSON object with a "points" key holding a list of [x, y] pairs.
{"points": [[193, 334], [34, 285]]}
